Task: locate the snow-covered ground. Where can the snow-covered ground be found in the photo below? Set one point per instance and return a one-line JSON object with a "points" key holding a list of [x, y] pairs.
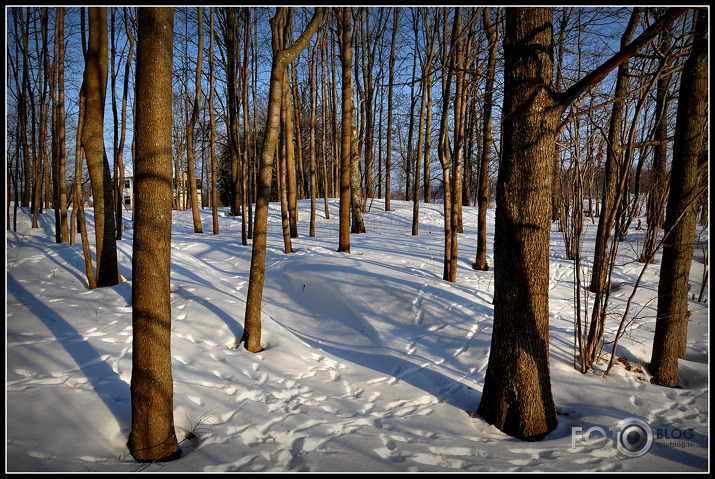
{"points": [[372, 362]]}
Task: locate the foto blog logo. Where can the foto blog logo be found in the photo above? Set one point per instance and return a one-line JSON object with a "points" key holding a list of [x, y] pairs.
{"points": [[632, 437]]}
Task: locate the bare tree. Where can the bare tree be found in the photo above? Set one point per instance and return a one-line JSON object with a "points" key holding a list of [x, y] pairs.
{"points": [[613, 160], [281, 58], [95, 88]]}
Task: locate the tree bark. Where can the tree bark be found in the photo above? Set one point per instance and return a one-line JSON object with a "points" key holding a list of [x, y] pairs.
{"points": [[358, 225], [153, 437]]}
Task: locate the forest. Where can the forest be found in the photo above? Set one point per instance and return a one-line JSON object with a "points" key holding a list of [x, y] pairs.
{"points": [[379, 182]]}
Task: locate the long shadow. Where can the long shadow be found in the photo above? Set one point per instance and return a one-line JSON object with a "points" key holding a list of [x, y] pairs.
{"points": [[100, 374]]}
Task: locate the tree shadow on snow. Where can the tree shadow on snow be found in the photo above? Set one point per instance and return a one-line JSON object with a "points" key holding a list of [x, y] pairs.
{"points": [[108, 385]]}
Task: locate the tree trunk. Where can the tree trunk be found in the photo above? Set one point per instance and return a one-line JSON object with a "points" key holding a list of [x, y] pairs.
{"points": [[120, 152], [61, 122], [281, 58], [54, 131], [443, 152], [358, 225], [39, 152], [324, 137], [657, 196], [426, 87], [483, 188], [153, 437], [291, 184], [22, 115], [669, 342], [312, 148], [247, 217], [95, 87], [296, 109], [347, 60], [231, 53], [517, 396], [391, 79], [79, 198], [427, 176], [190, 167], [212, 120]]}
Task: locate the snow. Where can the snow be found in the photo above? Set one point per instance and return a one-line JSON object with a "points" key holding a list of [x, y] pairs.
{"points": [[372, 362]]}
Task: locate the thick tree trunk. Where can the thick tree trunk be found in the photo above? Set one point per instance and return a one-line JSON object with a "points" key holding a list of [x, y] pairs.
{"points": [[672, 318], [153, 437], [517, 396]]}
